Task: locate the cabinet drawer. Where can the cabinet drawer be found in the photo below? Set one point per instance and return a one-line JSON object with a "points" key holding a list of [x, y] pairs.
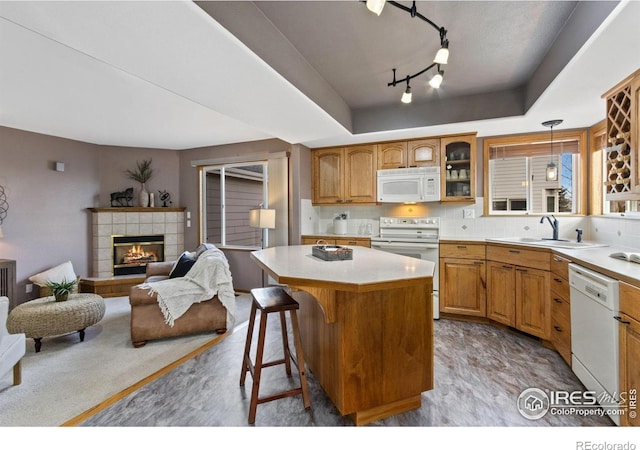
{"points": [[313, 240], [352, 242], [559, 286], [561, 327], [465, 251], [630, 300], [519, 256], [560, 266]]}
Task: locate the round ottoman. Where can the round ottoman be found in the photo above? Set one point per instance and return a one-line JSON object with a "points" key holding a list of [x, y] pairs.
{"points": [[44, 316]]}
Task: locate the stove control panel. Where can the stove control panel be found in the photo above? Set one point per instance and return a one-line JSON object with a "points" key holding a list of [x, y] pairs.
{"points": [[410, 222]]}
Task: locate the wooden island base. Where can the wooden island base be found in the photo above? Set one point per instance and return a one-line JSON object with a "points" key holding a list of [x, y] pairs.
{"points": [[372, 352], [366, 326]]}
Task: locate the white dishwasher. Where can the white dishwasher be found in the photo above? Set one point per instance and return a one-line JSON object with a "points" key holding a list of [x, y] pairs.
{"points": [[594, 333]]}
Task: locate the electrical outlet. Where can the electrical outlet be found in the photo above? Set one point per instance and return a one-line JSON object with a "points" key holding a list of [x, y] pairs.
{"points": [[468, 213], [29, 288]]}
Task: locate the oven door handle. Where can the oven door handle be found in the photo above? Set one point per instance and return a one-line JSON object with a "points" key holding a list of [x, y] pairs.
{"points": [[405, 245]]}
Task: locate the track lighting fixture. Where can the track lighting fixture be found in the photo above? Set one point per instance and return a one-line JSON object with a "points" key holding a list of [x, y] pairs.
{"points": [[442, 56], [552, 168]]}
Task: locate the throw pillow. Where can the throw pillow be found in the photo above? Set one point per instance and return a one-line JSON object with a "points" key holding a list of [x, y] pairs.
{"points": [[183, 265], [203, 248], [56, 274]]}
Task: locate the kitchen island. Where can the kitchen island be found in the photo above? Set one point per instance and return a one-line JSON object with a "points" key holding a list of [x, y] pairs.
{"points": [[366, 325]]}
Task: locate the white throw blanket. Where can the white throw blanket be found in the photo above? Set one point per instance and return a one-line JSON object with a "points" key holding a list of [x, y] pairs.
{"points": [[208, 276]]}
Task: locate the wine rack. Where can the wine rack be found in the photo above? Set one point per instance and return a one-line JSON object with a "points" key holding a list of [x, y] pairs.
{"points": [[621, 177]]}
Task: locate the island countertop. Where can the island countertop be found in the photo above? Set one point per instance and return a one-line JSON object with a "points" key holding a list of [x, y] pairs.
{"points": [[369, 269]]}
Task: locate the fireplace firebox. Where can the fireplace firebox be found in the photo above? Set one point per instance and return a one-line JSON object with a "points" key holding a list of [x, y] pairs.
{"points": [[131, 254]]}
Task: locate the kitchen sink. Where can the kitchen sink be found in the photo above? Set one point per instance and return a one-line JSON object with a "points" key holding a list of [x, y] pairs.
{"points": [[560, 243]]}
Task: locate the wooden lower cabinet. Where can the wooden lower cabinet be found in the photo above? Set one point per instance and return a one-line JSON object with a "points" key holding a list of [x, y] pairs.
{"points": [[518, 295], [462, 279], [629, 357]]}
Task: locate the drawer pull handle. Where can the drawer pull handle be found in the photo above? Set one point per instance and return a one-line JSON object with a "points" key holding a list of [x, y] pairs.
{"points": [[557, 300], [522, 270], [479, 263], [462, 246], [557, 328], [514, 251], [619, 319], [507, 267], [557, 280]]}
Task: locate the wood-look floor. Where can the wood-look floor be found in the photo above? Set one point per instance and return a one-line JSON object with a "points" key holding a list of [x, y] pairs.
{"points": [[479, 373]]}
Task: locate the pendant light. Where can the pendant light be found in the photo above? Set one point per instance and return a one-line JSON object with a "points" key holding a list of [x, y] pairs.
{"points": [[552, 168]]}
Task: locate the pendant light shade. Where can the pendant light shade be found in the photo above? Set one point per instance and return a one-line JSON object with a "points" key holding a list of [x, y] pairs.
{"points": [[552, 168]]}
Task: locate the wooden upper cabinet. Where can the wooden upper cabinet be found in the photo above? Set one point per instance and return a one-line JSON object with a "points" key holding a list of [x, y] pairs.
{"points": [[417, 153], [360, 165], [392, 155], [344, 175], [424, 152], [327, 177]]}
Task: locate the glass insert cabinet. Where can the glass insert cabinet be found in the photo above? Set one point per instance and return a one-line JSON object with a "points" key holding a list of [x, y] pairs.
{"points": [[458, 168]]}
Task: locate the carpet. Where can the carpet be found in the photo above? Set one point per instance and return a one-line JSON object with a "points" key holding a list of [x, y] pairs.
{"points": [[69, 377]]}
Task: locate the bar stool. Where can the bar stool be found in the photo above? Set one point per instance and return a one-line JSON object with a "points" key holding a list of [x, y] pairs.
{"points": [[270, 300]]}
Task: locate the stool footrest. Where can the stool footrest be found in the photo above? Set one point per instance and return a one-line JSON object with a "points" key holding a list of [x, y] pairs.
{"points": [[279, 395]]}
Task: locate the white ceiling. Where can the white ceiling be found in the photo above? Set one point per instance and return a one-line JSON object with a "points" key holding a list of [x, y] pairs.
{"points": [[167, 75]]}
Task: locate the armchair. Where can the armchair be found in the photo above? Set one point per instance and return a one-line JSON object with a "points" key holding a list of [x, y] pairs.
{"points": [[12, 346]]}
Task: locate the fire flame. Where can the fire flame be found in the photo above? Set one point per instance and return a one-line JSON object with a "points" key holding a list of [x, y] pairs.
{"points": [[137, 254]]}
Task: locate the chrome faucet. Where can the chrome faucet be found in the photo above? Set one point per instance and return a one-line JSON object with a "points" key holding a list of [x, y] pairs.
{"points": [[554, 224]]}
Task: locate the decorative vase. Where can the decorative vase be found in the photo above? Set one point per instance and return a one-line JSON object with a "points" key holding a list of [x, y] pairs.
{"points": [[143, 196], [61, 297]]}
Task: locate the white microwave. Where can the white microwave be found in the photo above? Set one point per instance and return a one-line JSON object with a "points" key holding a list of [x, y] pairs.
{"points": [[410, 185]]}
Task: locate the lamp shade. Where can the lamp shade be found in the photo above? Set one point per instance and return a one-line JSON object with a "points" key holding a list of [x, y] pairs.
{"points": [[375, 6], [262, 218]]}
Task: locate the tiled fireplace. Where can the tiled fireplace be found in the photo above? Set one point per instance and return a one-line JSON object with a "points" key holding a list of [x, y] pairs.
{"points": [[165, 226]]}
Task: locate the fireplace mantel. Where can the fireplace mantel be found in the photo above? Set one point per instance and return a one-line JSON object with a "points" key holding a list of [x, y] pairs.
{"points": [[134, 221], [126, 209]]}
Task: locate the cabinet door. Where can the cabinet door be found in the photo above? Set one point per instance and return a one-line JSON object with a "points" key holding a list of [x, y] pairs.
{"points": [[458, 168], [424, 152], [360, 164], [533, 308], [392, 155], [462, 283], [327, 178], [630, 367], [501, 288]]}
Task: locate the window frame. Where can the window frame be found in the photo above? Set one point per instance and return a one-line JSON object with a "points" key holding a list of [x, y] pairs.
{"points": [[202, 201], [580, 135]]}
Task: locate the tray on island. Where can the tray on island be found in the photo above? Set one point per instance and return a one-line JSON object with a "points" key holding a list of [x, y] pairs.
{"points": [[332, 252]]}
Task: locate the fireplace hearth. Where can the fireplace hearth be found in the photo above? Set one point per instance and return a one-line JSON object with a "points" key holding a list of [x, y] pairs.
{"points": [[131, 254]]}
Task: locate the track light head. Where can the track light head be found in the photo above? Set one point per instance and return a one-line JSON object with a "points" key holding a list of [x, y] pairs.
{"points": [[406, 97], [436, 81], [375, 6], [442, 57]]}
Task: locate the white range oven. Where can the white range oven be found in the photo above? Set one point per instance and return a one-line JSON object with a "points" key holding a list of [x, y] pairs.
{"points": [[416, 237]]}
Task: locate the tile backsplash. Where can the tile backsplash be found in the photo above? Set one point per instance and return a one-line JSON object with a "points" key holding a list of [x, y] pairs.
{"points": [[466, 221]]}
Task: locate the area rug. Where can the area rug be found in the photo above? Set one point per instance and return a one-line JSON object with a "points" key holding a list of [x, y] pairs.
{"points": [[68, 377]]}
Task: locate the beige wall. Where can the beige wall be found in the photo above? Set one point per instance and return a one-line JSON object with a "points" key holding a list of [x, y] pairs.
{"points": [[47, 222]]}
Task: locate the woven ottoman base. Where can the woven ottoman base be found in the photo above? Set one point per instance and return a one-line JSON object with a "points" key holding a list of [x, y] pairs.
{"points": [[45, 317]]}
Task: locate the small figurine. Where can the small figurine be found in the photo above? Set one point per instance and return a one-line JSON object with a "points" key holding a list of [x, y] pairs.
{"points": [[122, 198], [165, 198]]}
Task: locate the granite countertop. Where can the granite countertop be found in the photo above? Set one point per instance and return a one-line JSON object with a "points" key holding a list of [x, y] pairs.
{"points": [[369, 268], [595, 258]]}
